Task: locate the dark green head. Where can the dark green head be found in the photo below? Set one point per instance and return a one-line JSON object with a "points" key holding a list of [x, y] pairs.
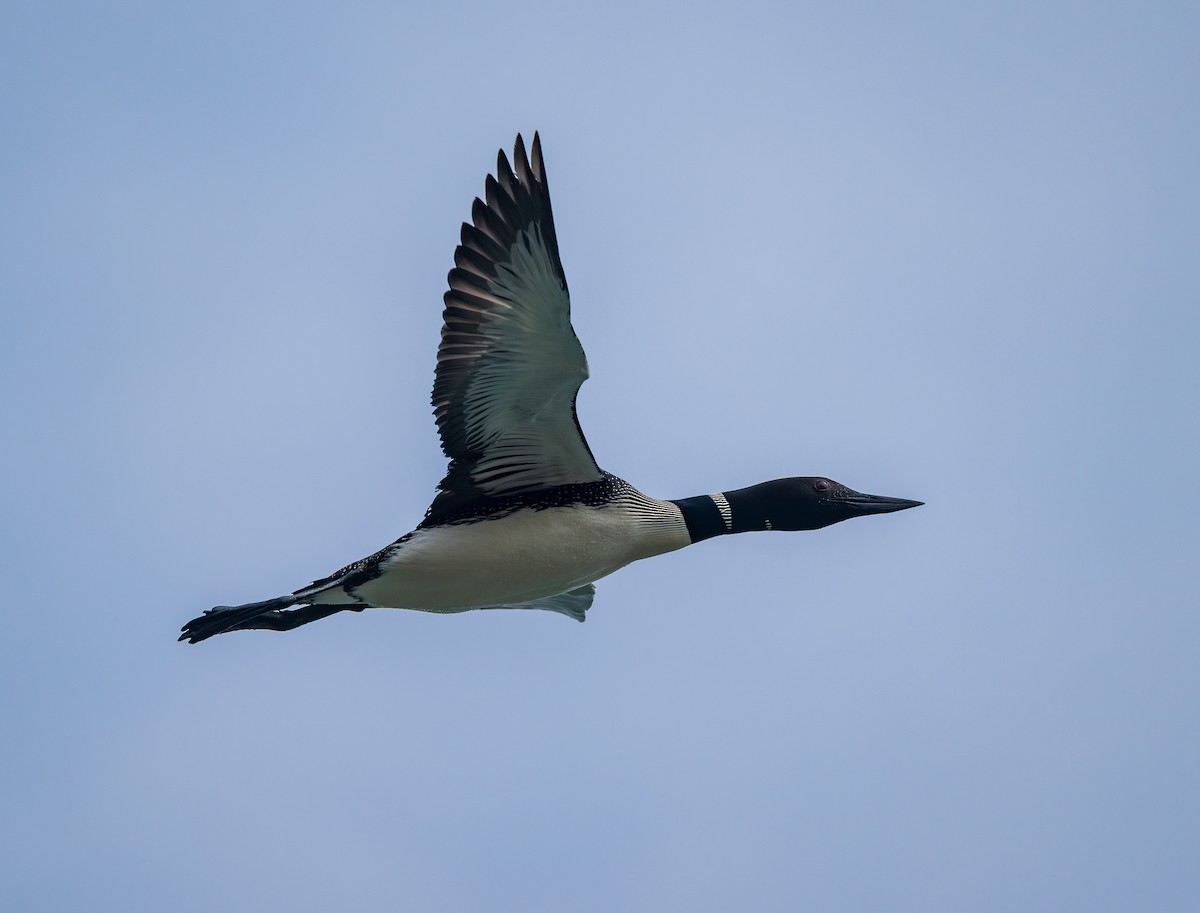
{"points": [[805, 502]]}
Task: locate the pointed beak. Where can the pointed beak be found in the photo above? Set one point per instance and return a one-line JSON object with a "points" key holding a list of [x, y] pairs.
{"points": [[878, 504]]}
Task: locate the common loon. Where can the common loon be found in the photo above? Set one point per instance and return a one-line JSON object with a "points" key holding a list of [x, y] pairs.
{"points": [[525, 518]]}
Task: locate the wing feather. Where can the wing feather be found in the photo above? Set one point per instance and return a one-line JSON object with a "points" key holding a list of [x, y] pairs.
{"points": [[509, 363]]}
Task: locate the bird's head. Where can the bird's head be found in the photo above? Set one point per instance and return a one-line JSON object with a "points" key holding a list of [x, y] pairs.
{"points": [[808, 502]]}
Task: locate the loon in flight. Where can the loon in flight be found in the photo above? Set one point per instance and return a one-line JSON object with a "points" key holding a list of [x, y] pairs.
{"points": [[525, 518]]}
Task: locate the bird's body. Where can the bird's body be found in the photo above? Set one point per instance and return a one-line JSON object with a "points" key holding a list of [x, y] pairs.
{"points": [[525, 518], [517, 554]]}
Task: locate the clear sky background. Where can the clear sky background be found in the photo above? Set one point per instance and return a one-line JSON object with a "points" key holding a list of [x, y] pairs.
{"points": [[945, 251]]}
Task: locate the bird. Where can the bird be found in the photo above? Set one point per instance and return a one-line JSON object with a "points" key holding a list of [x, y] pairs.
{"points": [[525, 518]]}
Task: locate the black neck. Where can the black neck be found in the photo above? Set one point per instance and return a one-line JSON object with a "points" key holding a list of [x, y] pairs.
{"points": [[741, 511]]}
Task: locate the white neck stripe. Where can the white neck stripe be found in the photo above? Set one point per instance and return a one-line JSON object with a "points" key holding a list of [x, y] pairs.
{"points": [[725, 509]]}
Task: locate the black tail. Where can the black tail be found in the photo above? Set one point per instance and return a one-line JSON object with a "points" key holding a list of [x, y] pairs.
{"points": [[224, 618]]}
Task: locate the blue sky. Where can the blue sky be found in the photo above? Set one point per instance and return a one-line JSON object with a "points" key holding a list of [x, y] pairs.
{"points": [[933, 250]]}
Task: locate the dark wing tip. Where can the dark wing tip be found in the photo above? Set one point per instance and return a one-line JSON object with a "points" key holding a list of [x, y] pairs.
{"points": [[532, 165], [521, 162], [539, 166], [503, 171]]}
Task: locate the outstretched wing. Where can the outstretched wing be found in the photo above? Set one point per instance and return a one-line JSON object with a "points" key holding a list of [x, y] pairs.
{"points": [[509, 365]]}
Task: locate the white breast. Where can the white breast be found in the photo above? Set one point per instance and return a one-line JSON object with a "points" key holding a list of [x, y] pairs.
{"points": [[526, 555]]}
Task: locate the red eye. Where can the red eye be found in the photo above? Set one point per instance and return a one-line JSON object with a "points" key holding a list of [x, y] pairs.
{"points": [[821, 485]]}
